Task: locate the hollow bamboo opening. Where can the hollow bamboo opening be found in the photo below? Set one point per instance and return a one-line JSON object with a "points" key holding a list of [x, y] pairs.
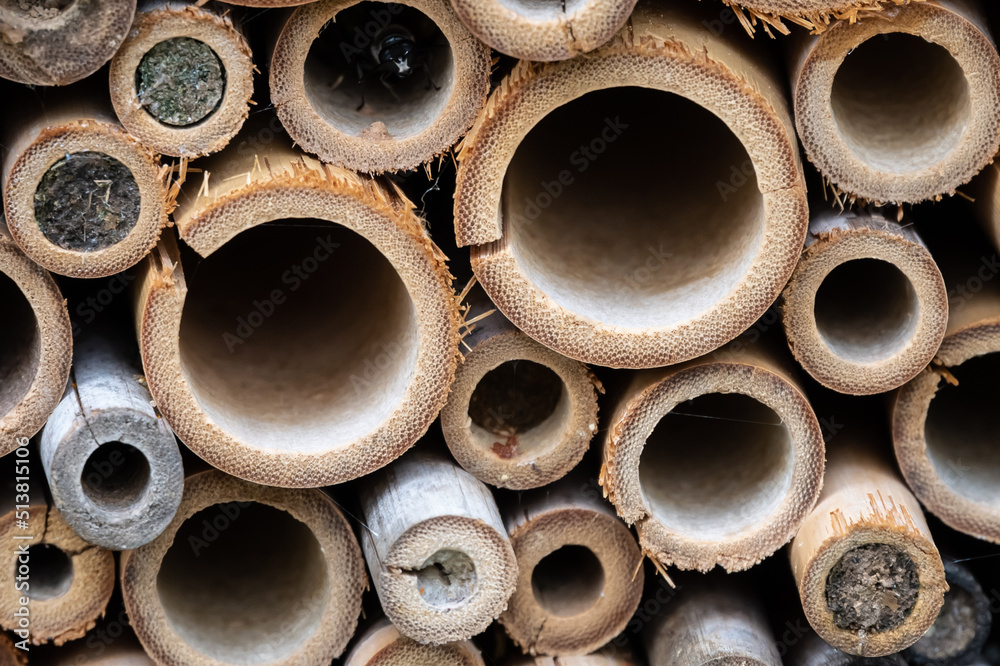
{"points": [[20, 346], [116, 476], [568, 581], [51, 572], [180, 81]]}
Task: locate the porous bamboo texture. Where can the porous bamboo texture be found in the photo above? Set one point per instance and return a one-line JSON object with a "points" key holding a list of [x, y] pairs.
{"points": [[99, 649], [812, 650], [246, 574], [173, 114], [869, 576], [436, 547], [361, 122], [519, 415], [717, 461], [264, 363], [113, 466], [36, 345], [383, 645], [866, 308], [855, 84], [81, 196]]}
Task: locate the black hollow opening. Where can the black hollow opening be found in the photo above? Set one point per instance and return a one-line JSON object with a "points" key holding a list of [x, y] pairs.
{"points": [[20, 345], [568, 581], [50, 572], [515, 397], [115, 475]]}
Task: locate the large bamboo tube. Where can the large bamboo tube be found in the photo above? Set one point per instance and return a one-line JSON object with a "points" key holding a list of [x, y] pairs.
{"points": [[716, 462], [814, 651], [580, 571], [182, 81], [866, 308], [263, 362], [855, 86], [519, 415], [36, 345], [436, 548], [338, 101], [246, 574], [383, 645], [612, 268], [869, 576], [97, 649], [82, 197]]}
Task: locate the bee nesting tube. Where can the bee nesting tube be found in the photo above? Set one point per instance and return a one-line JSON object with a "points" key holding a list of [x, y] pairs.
{"points": [[621, 271], [812, 650], [383, 645], [813, 14], [855, 85], [246, 574], [866, 308], [376, 86], [182, 81]]}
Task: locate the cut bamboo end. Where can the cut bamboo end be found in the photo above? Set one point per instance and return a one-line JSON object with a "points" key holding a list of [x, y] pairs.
{"points": [[236, 556], [816, 15], [384, 645], [962, 627], [867, 307], [869, 576], [36, 345], [436, 548], [240, 359], [182, 81], [620, 271], [854, 84], [596, 659], [334, 104], [812, 650], [98, 650], [716, 462]]}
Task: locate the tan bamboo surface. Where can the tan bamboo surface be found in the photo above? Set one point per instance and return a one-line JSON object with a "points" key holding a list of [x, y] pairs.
{"points": [[866, 308], [246, 574], [621, 271], [97, 650], [812, 650], [816, 15], [390, 132], [156, 22], [9, 654], [854, 85], [332, 384], [595, 659], [383, 645]]}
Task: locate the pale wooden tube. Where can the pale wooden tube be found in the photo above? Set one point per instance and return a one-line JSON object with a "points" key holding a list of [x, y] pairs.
{"points": [[263, 363], [436, 548], [866, 308], [246, 574], [853, 84], [814, 651], [519, 415], [170, 44], [632, 272], [595, 659], [580, 571], [731, 459], [383, 645], [866, 528]]}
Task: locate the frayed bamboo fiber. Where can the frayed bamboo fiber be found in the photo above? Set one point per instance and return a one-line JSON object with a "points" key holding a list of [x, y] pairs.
{"points": [[815, 15]]}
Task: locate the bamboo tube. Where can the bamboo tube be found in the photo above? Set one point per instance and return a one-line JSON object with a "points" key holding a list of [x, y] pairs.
{"points": [[869, 576], [436, 548], [624, 271], [36, 345], [9, 654], [519, 415], [814, 651], [854, 96], [731, 459], [580, 571], [182, 81], [113, 466], [262, 363], [596, 659], [336, 105], [866, 308], [82, 197], [816, 15], [383, 645], [246, 574], [122, 651]]}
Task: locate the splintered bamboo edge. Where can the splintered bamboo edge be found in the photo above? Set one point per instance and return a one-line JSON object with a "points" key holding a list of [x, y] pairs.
{"points": [[383, 645], [815, 15]]}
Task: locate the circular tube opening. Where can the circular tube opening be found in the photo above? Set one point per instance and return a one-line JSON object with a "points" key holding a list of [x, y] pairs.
{"points": [[901, 103], [568, 581], [447, 579], [543, 10], [629, 220], [866, 310], [51, 572], [20, 345], [377, 62], [716, 465], [180, 81], [872, 588], [115, 476], [298, 336], [232, 570]]}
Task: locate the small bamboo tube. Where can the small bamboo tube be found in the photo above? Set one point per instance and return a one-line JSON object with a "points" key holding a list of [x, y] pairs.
{"points": [[36, 345], [869, 576], [519, 415], [617, 270], [82, 198], [383, 645], [960, 631], [580, 571], [812, 650], [816, 15], [113, 466], [182, 81], [436, 548], [275, 372], [866, 308], [854, 87], [717, 461], [364, 122], [246, 573]]}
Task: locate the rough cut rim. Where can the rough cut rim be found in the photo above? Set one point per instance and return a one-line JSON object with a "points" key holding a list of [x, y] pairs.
{"points": [[383, 645], [816, 15]]}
